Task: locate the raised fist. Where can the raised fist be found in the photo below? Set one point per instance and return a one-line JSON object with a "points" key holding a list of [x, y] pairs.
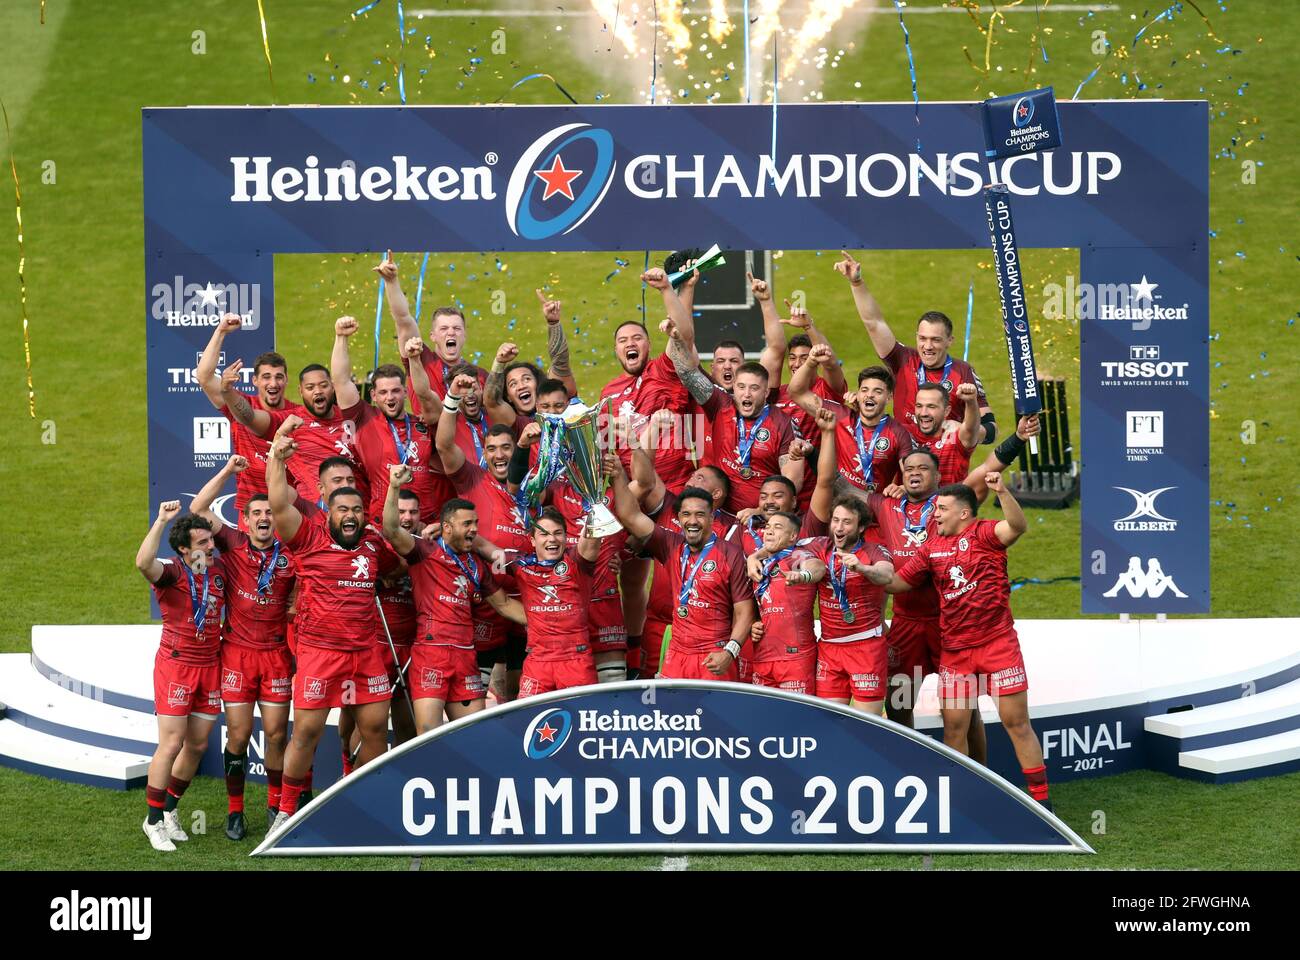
{"points": [[507, 352], [656, 278], [463, 385], [283, 446], [821, 353], [413, 348], [237, 464], [230, 322], [966, 392], [291, 423], [849, 268], [345, 326], [528, 436], [993, 480], [668, 327], [800, 449], [760, 288], [168, 510], [825, 420], [399, 474]]}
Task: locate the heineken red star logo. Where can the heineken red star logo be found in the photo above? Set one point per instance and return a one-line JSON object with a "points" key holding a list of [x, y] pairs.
{"points": [[546, 733], [557, 179]]}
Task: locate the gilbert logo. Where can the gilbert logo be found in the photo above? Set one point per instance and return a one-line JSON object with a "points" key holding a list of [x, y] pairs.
{"points": [[184, 304], [75, 914]]}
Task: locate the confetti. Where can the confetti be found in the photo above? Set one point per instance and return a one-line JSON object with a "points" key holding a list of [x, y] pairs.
{"points": [[22, 261]]}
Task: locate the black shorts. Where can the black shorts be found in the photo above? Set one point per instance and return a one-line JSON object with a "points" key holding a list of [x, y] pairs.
{"points": [[511, 653]]}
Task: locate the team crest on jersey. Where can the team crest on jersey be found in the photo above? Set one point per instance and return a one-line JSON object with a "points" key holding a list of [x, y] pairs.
{"points": [[561, 568], [281, 562], [762, 435], [882, 444], [947, 384], [709, 566], [219, 583], [963, 544]]}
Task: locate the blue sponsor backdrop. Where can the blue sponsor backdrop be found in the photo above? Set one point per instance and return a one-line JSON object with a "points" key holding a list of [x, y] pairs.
{"points": [[227, 188], [696, 764]]}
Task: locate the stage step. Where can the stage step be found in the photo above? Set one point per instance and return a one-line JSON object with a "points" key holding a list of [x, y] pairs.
{"points": [[32, 751], [1231, 721], [34, 701], [1263, 757]]}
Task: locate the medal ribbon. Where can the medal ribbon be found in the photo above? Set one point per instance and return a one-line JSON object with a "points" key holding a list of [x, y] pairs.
{"points": [[926, 510], [200, 607], [769, 568], [688, 580], [745, 441], [403, 449], [265, 567], [922, 375], [471, 571], [867, 453], [478, 433], [837, 582], [753, 533]]}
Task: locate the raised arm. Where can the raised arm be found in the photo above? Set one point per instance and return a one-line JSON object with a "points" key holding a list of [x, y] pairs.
{"points": [[1006, 453], [802, 381], [346, 393], [453, 457], [508, 607], [146, 558], [1013, 524], [430, 403], [626, 508], [827, 467], [236, 401], [402, 541], [589, 545], [969, 431], [206, 372], [873, 318], [645, 482], [397, 305], [283, 512], [556, 344], [832, 371], [773, 355], [201, 505], [686, 364], [494, 389], [682, 320]]}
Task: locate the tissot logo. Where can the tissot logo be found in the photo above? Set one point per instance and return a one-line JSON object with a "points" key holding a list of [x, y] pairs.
{"points": [[1144, 368], [1145, 518]]}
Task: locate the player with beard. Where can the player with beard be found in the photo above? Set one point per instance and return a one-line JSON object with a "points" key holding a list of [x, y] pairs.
{"points": [[464, 401], [785, 643], [255, 661], [869, 441], [555, 585], [448, 580], [446, 333], [967, 563], [329, 435], [269, 378], [339, 562], [510, 391], [930, 430], [497, 640], [190, 589], [706, 576], [776, 495], [386, 433]]}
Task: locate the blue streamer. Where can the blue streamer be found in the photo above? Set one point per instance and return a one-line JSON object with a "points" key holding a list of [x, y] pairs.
{"points": [[746, 11], [1019, 582], [911, 68], [654, 74], [1039, 17], [1094, 69], [970, 312], [1163, 15], [419, 288], [401, 64], [379, 315], [775, 82], [366, 9]]}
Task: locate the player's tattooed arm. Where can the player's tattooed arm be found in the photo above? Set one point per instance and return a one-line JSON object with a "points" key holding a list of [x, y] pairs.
{"points": [[508, 607], [1013, 524], [802, 380], [430, 402], [201, 505], [146, 558], [880, 573], [557, 345], [397, 304], [206, 371], [827, 467], [279, 493], [346, 393], [236, 401], [494, 389], [687, 365], [402, 541], [873, 318], [792, 467]]}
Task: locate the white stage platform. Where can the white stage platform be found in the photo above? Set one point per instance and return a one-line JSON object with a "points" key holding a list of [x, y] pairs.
{"points": [[1211, 699]]}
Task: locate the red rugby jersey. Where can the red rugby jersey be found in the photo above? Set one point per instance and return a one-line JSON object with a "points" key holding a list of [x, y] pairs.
{"points": [[786, 611], [720, 583], [447, 585], [555, 597], [379, 444], [888, 442], [905, 525], [318, 439], [866, 601], [255, 449], [663, 601], [657, 387], [906, 365], [255, 618], [954, 458], [772, 435], [336, 595], [176, 601]]}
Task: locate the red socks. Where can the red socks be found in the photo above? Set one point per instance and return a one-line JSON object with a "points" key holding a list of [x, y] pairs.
{"points": [[347, 761], [175, 790], [155, 797], [291, 790], [1036, 781], [273, 781]]}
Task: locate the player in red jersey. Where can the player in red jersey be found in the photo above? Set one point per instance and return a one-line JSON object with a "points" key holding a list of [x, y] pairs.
{"points": [[269, 378], [446, 333], [932, 430], [339, 561], [929, 362], [398, 623], [329, 435], [776, 495], [190, 588], [448, 580], [967, 563], [385, 432], [499, 522], [510, 391], [714, 608], [785, 643], [869, 441], [255, 661], [555, 586]]}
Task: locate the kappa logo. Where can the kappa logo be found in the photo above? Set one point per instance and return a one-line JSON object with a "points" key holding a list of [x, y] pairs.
{"points": [[543, 163], [360, 568], [547, 733], [958, 577], [1145, 518], [1150, 583]]}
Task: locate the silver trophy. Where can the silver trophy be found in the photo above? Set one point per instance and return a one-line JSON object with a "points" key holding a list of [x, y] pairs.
{"points": [[584, 462]]}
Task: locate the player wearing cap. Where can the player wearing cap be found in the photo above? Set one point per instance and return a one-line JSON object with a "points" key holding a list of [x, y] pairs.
{"points": [[967, 563], [190, 589]]}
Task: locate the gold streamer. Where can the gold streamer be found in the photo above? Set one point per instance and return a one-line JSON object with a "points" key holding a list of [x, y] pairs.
{"points": [[22, 262], [266, 48]]}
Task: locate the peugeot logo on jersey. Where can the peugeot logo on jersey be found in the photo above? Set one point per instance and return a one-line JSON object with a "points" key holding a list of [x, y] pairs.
{"points": [[547, 733]]}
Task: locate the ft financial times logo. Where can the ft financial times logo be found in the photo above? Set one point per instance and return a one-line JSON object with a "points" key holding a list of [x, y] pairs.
{"points": [[563, 176]]}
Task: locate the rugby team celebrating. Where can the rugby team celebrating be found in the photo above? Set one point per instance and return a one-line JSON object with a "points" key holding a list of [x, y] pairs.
{"points": [[385, 563]]}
